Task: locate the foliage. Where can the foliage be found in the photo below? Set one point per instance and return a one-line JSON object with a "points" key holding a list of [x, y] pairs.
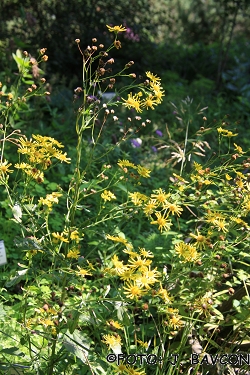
{"points": [[115, 247]]}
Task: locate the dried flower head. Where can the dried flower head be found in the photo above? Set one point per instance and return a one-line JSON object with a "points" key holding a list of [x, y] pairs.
{"points": [[117, 44], [43, 50]]}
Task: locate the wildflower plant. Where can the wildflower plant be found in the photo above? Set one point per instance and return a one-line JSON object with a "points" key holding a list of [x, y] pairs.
{"points": [[106, 264]]}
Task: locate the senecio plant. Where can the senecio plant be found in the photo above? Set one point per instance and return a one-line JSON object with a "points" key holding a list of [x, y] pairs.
{"points": [[108, 268]]}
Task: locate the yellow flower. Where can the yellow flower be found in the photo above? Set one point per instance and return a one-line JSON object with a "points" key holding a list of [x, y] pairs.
{"points": [[50, 199], [138, 198], [126, 163], [120, 268], [203, 304], [138, 262], [115, 324], [152, 274], [62, 157], [201, 241], [186, 251], [147, 278], [82, 272], [146, 253], [176, 322], [160, 196], [163, 294], [144, 172], [228, 178], [22, 166], [162, 222], [133, 102], [213, 216], [74, 236], [152, 77], [150, 102], [127, 275], [4, 167], [246, 205], [107, 195], [117, 239], [58, 237], [74, 253], [238, 149], [133, 291], [143, 344], [174, 208], [113, 341], [131, 371], [221, 225], [116, 29], [46, 322]]}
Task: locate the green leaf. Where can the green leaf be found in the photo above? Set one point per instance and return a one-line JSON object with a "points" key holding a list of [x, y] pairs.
{"points": [[77, 344], [13, 351], [18, 276]]}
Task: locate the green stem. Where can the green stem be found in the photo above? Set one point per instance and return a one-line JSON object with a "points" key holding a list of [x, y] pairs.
{"points": [[185, 146]]}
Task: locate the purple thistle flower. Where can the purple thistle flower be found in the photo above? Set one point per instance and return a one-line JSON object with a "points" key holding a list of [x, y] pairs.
{"points": [[154, 149]]}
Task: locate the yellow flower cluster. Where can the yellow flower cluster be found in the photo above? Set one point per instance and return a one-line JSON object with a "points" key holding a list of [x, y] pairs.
{"points": [[107, 195], [160, 204], [226, 133], [142, 171], [50, 200], [187, 252], [146, 98], [141, 280], [39, 152]]}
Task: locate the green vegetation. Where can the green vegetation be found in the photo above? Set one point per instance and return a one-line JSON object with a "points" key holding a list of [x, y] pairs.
{"points": [[124, 187]]}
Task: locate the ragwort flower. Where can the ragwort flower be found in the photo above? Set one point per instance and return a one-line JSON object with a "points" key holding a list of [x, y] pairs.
{"points": [[187, 252], [4, 167], [162, 222], [133, 101], [116, 29]]}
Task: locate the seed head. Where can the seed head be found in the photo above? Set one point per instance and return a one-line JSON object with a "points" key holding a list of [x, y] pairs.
{"points": [[77, 41], [111, 61], [101, 71], [94, 40], [45, 58], [43, 50], [129, 64], [117, 44]]}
